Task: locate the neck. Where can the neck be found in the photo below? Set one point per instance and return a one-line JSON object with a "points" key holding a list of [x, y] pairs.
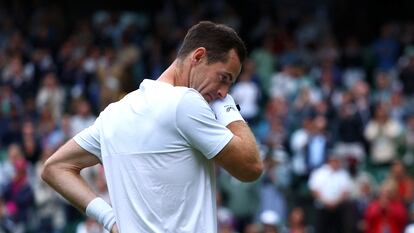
{"points": [[176, 74]]}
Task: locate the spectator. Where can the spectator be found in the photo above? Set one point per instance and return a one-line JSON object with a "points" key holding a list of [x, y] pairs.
{"points": [[265, 61], [50, 216], [30, 142], [18, 195], [225, 217], [406, 146], [331, 187], [242, 199], [386, 48], [386, 213], [274, 183], [406, 75], [363, 192], [83, 117], [296, 223], [404, 182], [352, 61], [270, 221], [288, 81], [298, 142], [349, 132], [246, 92], [382, 133], [383, 87], [51, 96], [318, 144]]}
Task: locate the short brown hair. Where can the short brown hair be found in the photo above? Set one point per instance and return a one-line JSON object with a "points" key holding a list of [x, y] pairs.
{"points": [[218, 39]]}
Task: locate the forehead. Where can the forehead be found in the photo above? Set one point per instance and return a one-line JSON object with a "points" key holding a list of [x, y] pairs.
{"points": [[231, 66]]}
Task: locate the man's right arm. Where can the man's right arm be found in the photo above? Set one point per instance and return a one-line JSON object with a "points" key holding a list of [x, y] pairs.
{"points": [[219, 132], [62, 172], [240, 157]]}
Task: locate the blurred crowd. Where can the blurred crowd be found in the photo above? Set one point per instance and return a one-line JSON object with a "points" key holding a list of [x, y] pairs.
{"points": [[333, 116]]}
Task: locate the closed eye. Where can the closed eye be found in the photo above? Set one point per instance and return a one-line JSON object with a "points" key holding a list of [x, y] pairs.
{"points": [[225, 78]]}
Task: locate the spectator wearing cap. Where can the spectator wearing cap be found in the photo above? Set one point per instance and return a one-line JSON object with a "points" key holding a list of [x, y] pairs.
{"points": [[270, 221], [331, 186]]}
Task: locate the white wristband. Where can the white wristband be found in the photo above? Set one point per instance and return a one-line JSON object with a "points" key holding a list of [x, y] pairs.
{"points": [[101, 212], [226, 110]]}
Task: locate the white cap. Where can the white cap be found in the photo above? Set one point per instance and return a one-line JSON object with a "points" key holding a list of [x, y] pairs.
{"points": [[269, 217]]}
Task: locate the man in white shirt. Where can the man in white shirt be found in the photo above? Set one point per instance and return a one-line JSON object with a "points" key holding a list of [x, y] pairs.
{"points": [[158, 144], [331, 186]]}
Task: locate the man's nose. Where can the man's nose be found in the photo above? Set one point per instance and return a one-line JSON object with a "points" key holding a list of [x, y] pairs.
{"points": [[222, 92]]}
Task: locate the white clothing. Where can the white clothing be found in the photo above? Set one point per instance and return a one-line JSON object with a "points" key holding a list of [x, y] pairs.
{"points": [[409, 228], [155, 145], [330, 183], [51, 98], [247, 95], [298, 142], [383, 139]]}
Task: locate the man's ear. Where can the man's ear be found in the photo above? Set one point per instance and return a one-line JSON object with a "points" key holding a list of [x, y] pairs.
{"points": [[198, 55]]}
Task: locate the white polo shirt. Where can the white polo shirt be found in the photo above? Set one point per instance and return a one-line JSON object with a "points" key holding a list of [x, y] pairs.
{"points": [[155, 145], [330, 183]]}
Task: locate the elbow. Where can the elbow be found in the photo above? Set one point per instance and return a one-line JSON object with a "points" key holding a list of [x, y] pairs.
{"points": [[253, 173], [47, 171]]}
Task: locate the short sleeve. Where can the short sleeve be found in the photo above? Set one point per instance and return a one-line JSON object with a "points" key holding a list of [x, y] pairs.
{"points": [[89, 138], [196, 122]]}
